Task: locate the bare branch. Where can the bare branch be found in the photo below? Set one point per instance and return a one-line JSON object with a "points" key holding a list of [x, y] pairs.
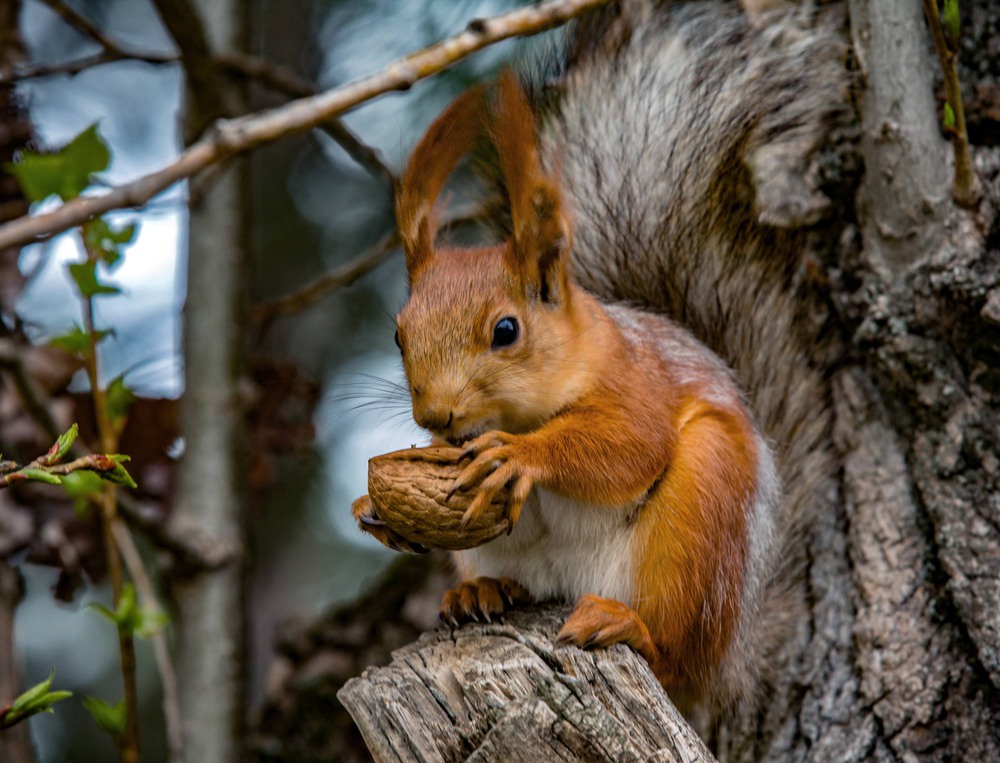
{"points": [[230, 137], [284, 80], [81, 23], [266, 311], [111, 51]]}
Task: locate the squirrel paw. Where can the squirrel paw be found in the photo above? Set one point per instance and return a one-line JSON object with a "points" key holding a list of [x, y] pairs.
{"points": [[368, 522], [495, 467], [597, 622], [481, 600]]}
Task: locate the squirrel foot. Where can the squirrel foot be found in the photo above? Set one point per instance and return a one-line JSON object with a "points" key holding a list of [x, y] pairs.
{"points": [[481, 600], [494, 467], [369, 523], [598, 622]]}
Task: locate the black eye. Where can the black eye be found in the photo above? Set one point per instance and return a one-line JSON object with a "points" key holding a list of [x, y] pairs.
{"points": [[505, 333], [398, 343]]}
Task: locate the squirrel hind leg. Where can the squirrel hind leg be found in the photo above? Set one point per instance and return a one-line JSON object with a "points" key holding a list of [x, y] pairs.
{"points": [[481, 600]]}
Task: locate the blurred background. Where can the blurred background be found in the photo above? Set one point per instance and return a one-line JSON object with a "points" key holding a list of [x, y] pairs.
{"points": [[316, 381]]}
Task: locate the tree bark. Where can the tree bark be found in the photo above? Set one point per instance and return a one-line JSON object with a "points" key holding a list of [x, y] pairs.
{"points": [[505, 691], [210, 620]]}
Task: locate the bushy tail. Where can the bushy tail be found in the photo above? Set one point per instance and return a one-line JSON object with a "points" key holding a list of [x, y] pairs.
{"points": [[684, 137]]}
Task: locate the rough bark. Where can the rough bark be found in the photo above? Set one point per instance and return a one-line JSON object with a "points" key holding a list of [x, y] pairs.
{"points": [[906, 183], [505, 691]]}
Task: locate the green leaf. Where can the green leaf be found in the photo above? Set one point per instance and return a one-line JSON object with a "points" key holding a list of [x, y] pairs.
{"points": [[30, 697], [127, 611], [130, 617], [952, 22], [38, 699], [80, 486], [118, 398], [85, 275], [150, 622], [104, 242], [109, 718], [949, 116], [103, 611], [76, 340], [38, 475], [118, 475], [64, 173], [63, 444]]}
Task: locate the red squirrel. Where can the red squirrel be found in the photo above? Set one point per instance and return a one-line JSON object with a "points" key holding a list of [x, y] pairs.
{"points": [[638, 483]]}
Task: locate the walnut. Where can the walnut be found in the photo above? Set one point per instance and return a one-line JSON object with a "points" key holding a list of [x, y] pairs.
{"points": [[409, 488]]}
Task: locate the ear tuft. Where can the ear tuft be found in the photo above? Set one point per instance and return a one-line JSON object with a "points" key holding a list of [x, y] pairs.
{"points": [[446, 141], [541, 231]]}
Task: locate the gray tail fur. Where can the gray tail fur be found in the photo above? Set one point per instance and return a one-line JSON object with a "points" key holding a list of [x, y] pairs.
{"points": [[685, 139]]}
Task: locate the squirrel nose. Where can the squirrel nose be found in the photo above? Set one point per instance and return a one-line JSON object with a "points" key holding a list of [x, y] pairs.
{"points": [[434, 418]]}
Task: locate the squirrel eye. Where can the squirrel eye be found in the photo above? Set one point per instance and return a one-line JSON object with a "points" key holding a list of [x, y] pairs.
{"points": [[398, 343], [505, 333]]}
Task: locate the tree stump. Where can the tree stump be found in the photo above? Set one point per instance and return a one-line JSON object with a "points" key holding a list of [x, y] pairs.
{"points": [[506, 691]]}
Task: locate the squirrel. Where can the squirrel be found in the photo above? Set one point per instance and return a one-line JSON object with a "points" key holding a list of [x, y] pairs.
{"points": [[630, 368]]}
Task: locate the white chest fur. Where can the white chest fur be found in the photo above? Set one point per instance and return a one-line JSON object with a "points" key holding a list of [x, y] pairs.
{"points": [[560, 549]]}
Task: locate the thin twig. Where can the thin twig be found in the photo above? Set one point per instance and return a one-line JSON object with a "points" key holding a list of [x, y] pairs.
{"points": [[267, 310], [230, 137], [966, 188], [93, 462], [161, 651], [270, 75], [284, 80], [110, 52], [82, 24], [128, 743]]}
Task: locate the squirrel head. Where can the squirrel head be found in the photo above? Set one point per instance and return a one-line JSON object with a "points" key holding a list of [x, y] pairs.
{"points": [[486, 333]]}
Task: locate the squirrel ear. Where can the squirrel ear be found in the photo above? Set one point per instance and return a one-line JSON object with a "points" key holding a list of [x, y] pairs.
{"points": [[446, 141], [540, 243]]}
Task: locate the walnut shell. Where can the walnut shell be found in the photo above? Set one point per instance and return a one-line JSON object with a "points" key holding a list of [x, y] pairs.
{"points": [[408, 489]]}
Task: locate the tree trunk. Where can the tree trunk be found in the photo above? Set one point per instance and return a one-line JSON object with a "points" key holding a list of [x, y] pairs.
{"points": [[897, 658], [210, 603]]}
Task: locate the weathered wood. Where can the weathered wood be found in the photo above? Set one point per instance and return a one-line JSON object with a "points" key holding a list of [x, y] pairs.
{"points": [[506, 691]]}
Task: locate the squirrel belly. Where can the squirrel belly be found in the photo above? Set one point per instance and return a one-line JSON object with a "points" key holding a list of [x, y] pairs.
{"points": [[688, 551]]}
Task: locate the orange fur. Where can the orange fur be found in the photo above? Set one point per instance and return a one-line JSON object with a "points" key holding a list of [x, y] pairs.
{"points": [[690, 577], [575, 406], [446, 141]]}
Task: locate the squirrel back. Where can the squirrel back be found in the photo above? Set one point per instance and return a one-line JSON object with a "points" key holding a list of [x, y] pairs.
{"points": [[685, 138]]}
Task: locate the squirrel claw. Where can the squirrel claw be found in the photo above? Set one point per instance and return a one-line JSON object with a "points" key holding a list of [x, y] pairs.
{"points": [[482, 600], [370, 524]]}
